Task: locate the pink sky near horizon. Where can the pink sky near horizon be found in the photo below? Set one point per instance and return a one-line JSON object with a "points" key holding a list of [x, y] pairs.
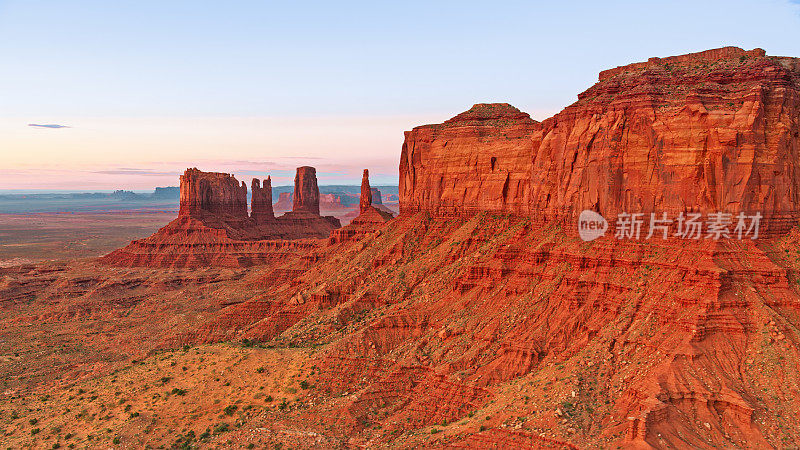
{"points": [[149, 88], [142, 153]]}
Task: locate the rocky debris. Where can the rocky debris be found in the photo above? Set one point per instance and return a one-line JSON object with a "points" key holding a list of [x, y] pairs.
{"points": [[306, 191]]}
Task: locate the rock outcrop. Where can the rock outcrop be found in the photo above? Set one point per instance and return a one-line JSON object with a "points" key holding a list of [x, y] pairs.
{"points": [[369, 220], [206, 194], [479, 160], [214, 228], [366, 193], [261, 204], [704, 132], [306, 191], [330, 202]]}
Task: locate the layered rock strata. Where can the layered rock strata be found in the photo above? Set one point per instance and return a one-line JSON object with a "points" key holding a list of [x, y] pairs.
{"points": [[714, 131], [284, 202], [479, 160]]}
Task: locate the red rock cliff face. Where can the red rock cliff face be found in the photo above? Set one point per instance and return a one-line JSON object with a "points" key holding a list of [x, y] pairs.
{"points": [[710, 131], [476, 161], [306, 191], [212, 192], [262, 201]]}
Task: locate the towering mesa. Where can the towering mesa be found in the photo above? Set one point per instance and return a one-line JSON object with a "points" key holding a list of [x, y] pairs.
{"points": [[204, 193], [705, 132], [306, 191], [366, 193]]}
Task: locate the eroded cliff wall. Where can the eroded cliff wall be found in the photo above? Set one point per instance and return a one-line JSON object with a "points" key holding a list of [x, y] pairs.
{"points": [[477, 161], [704, 132], [212, 192]]}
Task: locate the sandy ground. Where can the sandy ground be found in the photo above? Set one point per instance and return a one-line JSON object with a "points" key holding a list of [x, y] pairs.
{"points": [[26, 238]]}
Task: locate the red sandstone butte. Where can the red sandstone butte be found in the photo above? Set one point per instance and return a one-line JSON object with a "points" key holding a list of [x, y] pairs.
{"points": [[330, 202], [261, 206], [479, 160], [211, 193], [709, 131], [369, 220], [306, 191], [366, 193], [213, 227], [284, 202]]}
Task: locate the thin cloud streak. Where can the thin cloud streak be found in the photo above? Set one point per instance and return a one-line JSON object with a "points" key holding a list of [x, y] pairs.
{"points": [[49, 125]]}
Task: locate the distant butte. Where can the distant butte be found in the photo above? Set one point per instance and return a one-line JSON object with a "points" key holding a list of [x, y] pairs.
{"points": [[214, 228]]}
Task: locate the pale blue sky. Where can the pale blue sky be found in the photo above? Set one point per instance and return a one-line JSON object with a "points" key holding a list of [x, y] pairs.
{"points": [[160, 73]]}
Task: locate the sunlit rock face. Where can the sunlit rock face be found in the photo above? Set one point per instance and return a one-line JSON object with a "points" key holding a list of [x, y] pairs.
{"points": [[477, 161], [306, 191], [703, 132]]}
